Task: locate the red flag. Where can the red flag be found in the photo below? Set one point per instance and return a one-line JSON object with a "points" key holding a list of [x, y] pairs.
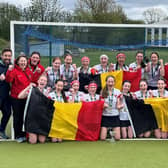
{"points": [[166, 75], [134, 78]]}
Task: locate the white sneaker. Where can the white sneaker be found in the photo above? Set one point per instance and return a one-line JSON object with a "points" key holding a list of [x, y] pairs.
{"points": [[21, 139]]}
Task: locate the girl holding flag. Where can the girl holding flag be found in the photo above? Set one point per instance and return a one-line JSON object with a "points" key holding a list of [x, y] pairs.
{"points": [[91, 96], [59, 96], [143, 93], [110, 116], [126, 129], [41, 84], [74, 95], [162, 93]]}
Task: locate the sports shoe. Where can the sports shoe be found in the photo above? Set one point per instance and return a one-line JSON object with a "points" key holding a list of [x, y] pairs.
{"points": [[3, 135], [21, 139]]}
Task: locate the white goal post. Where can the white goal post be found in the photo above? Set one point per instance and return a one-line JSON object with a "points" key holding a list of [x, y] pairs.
{"points": [[154, 35]]}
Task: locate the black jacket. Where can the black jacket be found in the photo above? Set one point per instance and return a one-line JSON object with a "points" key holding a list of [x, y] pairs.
{"points": [[4, 86]]}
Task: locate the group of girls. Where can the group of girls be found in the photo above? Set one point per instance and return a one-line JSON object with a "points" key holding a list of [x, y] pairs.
{"points": [[61, 83], [115, 114]]}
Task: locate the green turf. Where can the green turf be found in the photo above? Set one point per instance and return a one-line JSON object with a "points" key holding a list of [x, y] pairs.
{"points": [[73, 154], [94, 56], [123, 154]]}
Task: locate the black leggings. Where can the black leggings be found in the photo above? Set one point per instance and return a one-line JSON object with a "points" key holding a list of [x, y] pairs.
{"points": [[18, 106], [5, 107]]}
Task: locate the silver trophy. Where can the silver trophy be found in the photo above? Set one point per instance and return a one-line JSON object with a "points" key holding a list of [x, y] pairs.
{"points": [[112, 134]]}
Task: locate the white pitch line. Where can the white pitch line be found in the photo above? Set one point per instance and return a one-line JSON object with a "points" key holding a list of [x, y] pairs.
{"points": [[6, 140], [144, 139]]}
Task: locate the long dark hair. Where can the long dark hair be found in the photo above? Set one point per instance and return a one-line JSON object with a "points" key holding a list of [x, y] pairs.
{"points": [[62, 92], [117, 64], [104, 91]]}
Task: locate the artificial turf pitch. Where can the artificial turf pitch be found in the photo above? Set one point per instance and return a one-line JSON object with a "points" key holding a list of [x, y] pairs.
{"points": [[122, 154], [73, 154]]}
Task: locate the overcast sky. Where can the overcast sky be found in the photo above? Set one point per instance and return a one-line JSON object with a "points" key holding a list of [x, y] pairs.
{"points": [[132, 8]]}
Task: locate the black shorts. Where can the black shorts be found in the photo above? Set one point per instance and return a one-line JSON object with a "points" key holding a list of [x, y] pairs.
{"points": [[110, 121], [125, 123]]}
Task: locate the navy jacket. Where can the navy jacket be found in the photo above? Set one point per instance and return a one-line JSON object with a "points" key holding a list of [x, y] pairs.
{"points": [[4, 86]]}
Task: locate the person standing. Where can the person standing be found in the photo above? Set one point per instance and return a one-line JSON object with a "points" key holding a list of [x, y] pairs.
{"points": [[5, 104], [19, 76], [139, 63], [53, 73], [35, 66], [154, 70], [84, 72], [103, 66], [120, 64], [68, 71]]}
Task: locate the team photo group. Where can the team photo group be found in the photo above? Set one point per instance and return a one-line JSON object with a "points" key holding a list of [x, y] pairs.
{"points": [[64, 82]]}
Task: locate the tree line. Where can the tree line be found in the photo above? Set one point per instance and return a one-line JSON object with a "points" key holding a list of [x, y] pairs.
{"points": [[90, 11]]}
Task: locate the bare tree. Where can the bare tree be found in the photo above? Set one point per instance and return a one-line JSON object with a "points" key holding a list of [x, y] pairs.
{"points": [[43, 10], [8, 12], [154, 15], [100, 11]]}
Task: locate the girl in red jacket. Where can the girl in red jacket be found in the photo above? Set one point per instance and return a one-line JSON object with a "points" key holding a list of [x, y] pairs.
{"points": [[34, 64], [19, 76]]}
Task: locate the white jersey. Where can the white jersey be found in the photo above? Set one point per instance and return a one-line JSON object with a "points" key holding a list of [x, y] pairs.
{"points": [[68, 75], [100, 69], [133, 66], [157, 94], [88, 98], [115, 68], [53, 95], [139, 95], [52, 77], [78, 97], [153, 75], [112, 102]]}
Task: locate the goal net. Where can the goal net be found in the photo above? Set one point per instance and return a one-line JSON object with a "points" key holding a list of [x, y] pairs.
{"points": [[54, 39]]}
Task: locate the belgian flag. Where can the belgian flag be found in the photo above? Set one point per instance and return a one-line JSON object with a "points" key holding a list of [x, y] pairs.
{"points": [[160, 109], [70, 121], [120, 76], [142, 115]]}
